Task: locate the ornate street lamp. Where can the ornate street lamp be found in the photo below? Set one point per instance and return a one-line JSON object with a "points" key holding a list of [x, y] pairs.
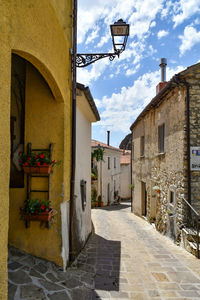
{"points": [[119, 32]]}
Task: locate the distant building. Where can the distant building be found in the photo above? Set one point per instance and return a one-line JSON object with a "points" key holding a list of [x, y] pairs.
{"points": [[108, 182], [166, 154], [125, 176]]}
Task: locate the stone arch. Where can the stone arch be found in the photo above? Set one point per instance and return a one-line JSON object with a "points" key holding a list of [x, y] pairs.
{"points": [[44, 71]]}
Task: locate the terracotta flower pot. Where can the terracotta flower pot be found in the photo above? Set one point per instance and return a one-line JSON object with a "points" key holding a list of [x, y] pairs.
{"points": [[102, 204], [45, 169], [37, 169], [43, 216], [28, 169]]}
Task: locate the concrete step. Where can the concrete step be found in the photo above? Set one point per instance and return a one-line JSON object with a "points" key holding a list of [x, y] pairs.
{"points": [[188, 240]]}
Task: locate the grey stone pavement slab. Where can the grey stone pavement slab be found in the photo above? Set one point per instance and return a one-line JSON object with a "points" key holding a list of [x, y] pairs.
{"points": [[126, 258]]}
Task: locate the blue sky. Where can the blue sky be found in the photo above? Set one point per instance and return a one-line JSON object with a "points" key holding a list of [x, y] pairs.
{"points": [[122, 88]]}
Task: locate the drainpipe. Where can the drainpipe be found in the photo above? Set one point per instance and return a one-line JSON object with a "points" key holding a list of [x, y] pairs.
{"points": [[178, 80], [131, 171], [73, 149]]}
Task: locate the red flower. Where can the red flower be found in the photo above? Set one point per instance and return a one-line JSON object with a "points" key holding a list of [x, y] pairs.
{"points": [[42, 207], [37, 156], [26, 163], [28, 158], [53, 161], [38, 163], [42, 156], [44, 164]]}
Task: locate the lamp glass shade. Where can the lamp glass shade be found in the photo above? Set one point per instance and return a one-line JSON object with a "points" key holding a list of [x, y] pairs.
{"points": [[119, 28]]}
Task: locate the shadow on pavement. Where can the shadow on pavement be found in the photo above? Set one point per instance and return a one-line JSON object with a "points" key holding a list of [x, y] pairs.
{"points": [[106, 278], [93, 275]]}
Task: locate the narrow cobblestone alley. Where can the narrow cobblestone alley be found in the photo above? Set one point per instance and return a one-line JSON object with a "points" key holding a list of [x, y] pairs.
{"points": [[124, 259]]}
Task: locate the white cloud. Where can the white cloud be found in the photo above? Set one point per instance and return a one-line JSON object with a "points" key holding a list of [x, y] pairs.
{"points": [[132, 71], [139, 13], [153, 24], [87, 75], [162, 33], [144, 14], [120, 110], [169, 6], [189, 38], [93, 35], [186, 9]]}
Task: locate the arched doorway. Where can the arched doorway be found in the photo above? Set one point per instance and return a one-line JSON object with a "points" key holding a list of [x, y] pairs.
{"points": [[38, 119]]}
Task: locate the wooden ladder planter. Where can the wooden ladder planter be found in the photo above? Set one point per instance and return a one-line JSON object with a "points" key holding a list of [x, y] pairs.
{"points": [[38, 172]]}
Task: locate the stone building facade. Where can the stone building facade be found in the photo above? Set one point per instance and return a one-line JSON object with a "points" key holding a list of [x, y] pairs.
{"points": [[163, 136]]}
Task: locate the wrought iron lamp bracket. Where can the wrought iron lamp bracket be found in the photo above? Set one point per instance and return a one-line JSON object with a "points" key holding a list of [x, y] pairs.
{"points": [[84, 60]]}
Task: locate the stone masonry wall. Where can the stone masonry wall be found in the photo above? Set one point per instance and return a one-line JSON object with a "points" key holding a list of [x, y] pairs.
{"points": [[194, 81], [166, 170]]}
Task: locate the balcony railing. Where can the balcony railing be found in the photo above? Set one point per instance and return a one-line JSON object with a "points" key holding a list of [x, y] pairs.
{"points": [[192, 223]]}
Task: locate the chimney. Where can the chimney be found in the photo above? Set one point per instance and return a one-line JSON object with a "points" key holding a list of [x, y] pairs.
{"points": [[108, 137], [161, 85]]}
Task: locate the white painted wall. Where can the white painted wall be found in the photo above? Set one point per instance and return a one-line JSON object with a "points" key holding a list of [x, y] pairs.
{"points": [[125, 181], [83, 171]]}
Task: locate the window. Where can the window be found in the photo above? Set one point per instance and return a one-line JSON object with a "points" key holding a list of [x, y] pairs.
{"points": [[108, 162], [161, 138], [171, 197], [17, 119], [115, 162], [142, 141]]}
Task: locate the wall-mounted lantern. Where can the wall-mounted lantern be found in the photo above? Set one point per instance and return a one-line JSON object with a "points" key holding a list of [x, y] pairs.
{"points": [[119, 32]]}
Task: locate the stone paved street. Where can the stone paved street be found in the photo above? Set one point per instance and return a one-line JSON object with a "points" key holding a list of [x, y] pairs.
{"points": [[125, 259]]}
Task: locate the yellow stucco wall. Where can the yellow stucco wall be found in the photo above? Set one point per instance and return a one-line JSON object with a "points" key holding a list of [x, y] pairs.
{"points": [[40, 32]]}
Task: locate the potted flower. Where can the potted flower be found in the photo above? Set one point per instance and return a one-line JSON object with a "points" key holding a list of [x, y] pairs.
{"points": [[93, 177], [36, 210], [36, 162], [156, 189], [100, 202]]}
